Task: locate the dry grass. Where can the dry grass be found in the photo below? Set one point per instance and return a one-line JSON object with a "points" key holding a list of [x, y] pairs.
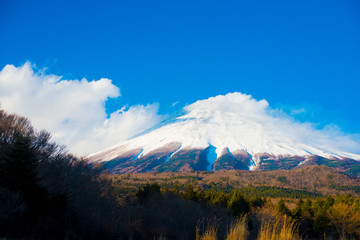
{"points": [[278, 230], [239, 229], [207, 230]]}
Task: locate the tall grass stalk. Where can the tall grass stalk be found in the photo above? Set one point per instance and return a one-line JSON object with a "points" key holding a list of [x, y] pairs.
{"points": [[239, 229], [279, 230], [207, 231]]}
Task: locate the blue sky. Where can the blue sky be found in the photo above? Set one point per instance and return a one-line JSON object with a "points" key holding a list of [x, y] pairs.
{"points": [[301, 56]]}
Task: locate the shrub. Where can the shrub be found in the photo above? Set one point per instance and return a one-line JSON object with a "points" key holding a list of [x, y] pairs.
{"points": [[282, 208], [238, 204], [282, 179], [239, 229], [207, 230], [345, 219], [147, 191]]}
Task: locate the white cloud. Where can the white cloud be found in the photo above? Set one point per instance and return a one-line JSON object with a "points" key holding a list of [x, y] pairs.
{"points": [[122, 125], [72, 110], [274, 122], [297, 111], [232, 102]]}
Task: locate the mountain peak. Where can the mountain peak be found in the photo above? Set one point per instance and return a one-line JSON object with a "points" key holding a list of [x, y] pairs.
{"points": [[230, 125]]}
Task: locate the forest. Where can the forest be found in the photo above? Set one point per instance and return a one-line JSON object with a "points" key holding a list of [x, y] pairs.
{"points": [[47, 193]]}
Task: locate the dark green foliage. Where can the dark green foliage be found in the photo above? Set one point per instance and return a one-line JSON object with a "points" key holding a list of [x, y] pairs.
{"points": [[167, 215], [147, 191], [329, 201], [290, 162], [219, 186], [321, 221], [146, 164], [19, 171], [176, 189], [270, 163], [319, 214], [275, 192], [189, 193], [196, 159], [354, 170], [217, 198], [281, 179], [306, 209], [257, 201], [351, 167], [223, 162], [238, 204], [234, 200], [188, 178], [282, 208], [297, 211], [228, 161], [356, 189]]}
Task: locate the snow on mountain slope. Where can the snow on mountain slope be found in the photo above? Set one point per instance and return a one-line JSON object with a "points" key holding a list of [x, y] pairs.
{"points": [[234, 122]]}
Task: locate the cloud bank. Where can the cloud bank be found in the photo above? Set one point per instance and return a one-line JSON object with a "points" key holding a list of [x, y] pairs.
{"points": [[273, 122], [72, 110]]}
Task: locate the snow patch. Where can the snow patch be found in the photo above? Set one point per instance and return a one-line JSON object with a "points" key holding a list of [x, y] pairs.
{"points": [[211, 157], [230, 153], [172, 154], [137, 155], [252, 164]]}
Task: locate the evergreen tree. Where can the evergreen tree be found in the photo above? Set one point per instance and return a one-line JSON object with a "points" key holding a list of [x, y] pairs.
{"points": [[297, 211], [190, 193], [282, 208], [20, 167], [238, 204]]}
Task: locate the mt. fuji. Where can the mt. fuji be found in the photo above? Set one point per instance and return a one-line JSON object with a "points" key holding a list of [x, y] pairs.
{"points": [[232, 131]]}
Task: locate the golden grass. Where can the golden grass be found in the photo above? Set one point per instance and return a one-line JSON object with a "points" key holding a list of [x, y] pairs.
{"points": [[278, 230], [239, 229], [207, 231]]}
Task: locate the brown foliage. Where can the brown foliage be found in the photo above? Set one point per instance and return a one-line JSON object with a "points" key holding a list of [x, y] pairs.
{"points": [[346, 219]]}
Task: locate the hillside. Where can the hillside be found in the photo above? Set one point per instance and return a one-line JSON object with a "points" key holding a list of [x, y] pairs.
{"points": [[316, 179]]}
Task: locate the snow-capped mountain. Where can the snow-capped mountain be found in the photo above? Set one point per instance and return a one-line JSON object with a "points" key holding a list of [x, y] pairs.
{"points": [[225, 132]]}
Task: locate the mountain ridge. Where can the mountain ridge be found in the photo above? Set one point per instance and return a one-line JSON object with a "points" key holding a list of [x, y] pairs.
{"points": [[215, 136]]}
